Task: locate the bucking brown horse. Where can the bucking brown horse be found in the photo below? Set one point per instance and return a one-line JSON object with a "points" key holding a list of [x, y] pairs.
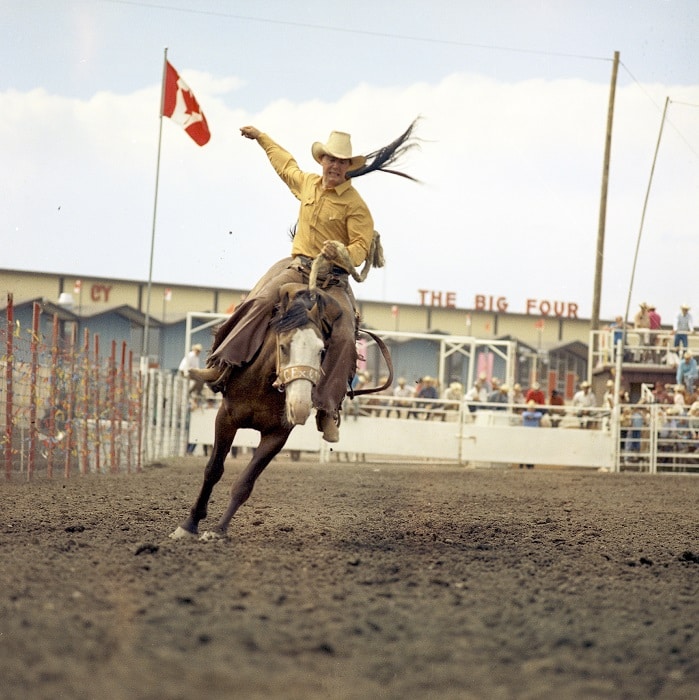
{"points": [[271, 394]]}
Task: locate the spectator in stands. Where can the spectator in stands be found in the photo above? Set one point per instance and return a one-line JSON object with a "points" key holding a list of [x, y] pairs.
{"points": [[671, 357], [638, 422], [517, 395], [661, 394], [536, 395], [584, 400], [487, 385], [531, 418], [427, 394], [641, 321], [478, 393], [404, 395], [191, 361], [655, 327], [687, 372], [556, 401], [682, 326], [617, 329], [381, 406], [499, 397], [454, 392], [693, 420], [361, 380], [608, 400], [680, 401]]}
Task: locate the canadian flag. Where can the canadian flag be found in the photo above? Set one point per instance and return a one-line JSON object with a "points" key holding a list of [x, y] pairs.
{"points": [[180, 105]]}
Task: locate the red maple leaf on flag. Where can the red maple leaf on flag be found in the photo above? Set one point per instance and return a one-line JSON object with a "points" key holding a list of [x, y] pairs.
{"points": [[180, 105]]}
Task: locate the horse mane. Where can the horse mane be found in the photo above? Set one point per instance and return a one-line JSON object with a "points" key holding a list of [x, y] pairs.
{"points": [[385, 157], [295, 314]]}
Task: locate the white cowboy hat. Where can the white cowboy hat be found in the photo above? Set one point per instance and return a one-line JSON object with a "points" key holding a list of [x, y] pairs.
{"points": [[197, 347], [339, 145]]}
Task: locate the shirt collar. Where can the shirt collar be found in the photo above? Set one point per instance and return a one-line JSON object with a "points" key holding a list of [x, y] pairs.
{"points": [[340, 189]]}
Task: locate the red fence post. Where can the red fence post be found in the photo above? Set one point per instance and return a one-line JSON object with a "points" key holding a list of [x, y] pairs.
{"points": [[112, 406], [96, 394], [139, 417], [53, 382], [70, 401], [85, 401], [123, 412], [9, 398], [33, 372]]}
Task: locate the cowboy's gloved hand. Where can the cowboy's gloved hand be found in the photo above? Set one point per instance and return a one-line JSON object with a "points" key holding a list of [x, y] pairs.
{"points": [[331, 250]]}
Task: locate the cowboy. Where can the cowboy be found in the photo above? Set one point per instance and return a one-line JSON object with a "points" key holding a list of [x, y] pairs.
{"points": [[191, 361], [682, 326], [584, 399], [687, 371], [333, 221]]}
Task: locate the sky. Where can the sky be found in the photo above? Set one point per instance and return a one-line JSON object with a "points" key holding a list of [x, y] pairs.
{"points": [[512, 98]]}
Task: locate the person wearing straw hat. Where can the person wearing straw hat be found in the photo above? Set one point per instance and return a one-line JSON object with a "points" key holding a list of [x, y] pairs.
{"points": [[333, 221], [584, 399], [683, 326], [687, 372], [191, 361]]}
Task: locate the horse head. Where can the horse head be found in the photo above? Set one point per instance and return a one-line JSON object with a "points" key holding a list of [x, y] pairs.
{"points": [[298, 326]]}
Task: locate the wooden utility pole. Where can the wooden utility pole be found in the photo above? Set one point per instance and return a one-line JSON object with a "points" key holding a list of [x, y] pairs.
{"points": [[599, 255]]}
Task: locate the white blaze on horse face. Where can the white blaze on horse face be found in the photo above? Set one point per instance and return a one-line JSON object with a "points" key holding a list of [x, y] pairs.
{"points": [[305, 350]]}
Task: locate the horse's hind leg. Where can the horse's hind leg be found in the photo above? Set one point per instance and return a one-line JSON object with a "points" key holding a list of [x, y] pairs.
{"points": [[212, 475], [269, 447]]}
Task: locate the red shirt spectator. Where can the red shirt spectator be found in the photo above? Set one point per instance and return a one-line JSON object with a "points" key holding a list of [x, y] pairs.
{"points": [[535, 394]]}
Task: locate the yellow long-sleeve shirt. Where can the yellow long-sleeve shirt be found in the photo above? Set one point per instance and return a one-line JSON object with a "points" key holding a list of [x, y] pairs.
{"points": [[337, 214]]}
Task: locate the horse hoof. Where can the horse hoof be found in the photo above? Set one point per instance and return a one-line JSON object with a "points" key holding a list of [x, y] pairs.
{"points": [[180, 533], [211, 536]]}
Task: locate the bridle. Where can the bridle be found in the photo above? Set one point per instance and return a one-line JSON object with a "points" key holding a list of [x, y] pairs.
{"points": [[290, 373]]}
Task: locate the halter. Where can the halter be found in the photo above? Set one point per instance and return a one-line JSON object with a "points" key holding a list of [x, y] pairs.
{"points": [[290, 373]]}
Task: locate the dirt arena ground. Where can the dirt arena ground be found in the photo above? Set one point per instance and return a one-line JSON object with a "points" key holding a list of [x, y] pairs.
{"points": [[352, 581]]}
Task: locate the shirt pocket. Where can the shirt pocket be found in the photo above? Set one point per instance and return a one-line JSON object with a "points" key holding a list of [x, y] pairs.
{"points": [[335, 220]]}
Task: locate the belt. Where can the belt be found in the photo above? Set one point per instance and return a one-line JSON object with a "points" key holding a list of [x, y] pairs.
{"points": [[307, 262]]}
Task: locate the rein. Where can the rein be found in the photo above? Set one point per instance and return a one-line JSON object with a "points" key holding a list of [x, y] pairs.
{"points": [[375, 258], [389, 363]]}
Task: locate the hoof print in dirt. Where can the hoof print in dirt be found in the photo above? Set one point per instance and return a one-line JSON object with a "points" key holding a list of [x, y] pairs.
{"points": [[147, 549], [75, 528], [690, 556]]}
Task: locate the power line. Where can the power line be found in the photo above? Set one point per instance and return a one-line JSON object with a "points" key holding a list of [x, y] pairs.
{"points": [[671, 101], [363, 32]]}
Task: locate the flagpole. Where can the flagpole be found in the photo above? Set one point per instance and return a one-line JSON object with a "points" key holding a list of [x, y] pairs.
{"points": [[144, 350]]}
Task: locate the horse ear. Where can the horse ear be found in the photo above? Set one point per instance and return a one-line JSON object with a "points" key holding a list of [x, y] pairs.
{"points": [[328, 309], [288, 292]]}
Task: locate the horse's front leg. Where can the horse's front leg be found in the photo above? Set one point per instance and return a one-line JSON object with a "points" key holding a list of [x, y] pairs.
{"points": [[212, 475], [269, 447]]}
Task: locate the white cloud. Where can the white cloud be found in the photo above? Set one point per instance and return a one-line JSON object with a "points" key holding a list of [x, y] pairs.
{"points": [[509, 203]]}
